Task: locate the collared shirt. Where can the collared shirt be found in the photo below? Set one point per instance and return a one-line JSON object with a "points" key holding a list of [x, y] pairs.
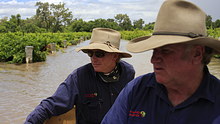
{"points": [[85, 89], [144, 101]]}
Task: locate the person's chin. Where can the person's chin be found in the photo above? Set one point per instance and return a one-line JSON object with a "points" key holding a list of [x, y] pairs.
{"points": [[97, 69], [159, 78]]}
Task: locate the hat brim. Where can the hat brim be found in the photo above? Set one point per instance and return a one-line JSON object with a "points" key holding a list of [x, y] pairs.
{"points": [[146, 43], [104, 47]]}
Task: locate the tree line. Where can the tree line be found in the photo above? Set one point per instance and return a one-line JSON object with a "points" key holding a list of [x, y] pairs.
{"points": [[57, 18]]}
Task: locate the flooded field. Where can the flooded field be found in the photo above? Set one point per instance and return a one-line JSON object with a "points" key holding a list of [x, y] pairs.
{"points": [[23, 86]]}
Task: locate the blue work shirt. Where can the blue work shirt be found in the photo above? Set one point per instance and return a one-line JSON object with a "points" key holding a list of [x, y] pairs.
{"points": [[144, 101], [85, 89]]}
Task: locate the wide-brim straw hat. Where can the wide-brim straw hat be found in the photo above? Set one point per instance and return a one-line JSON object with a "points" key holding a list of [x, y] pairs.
{"points": [[178, 21], [105, 39]]}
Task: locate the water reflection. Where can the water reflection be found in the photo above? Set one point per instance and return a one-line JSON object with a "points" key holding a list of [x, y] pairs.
{"points": [[23, 86], [214, 67]]}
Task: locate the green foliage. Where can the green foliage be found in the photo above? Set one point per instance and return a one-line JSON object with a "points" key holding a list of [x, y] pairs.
{"points": [[210, 24], [3, 28], [123, 21], [217, 56], [138, 24], [12, 45], [52, 17], [217, 23], [80, 25], [208, 21], [128, 35], [149, 26], [215, 33]]}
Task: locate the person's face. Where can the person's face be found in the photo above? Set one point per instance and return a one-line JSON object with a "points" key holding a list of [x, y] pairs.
{"points": [[172, 62], [103, 61]]}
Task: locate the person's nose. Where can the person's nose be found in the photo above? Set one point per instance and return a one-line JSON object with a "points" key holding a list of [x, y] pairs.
{"points": [[156, 57]]}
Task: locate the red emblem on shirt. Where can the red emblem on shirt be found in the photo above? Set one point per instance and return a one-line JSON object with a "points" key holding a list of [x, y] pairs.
{"points": [[137, 113], [91, 95]]}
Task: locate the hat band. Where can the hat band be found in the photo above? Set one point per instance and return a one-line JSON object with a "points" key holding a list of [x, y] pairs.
{"points": [[191, 35], [108, 43]]}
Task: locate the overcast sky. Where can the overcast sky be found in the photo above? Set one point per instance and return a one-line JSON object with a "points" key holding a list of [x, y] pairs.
{"points": [[94, 9]]}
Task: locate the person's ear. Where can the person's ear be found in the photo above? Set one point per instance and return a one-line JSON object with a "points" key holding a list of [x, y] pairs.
{"points": [[116, 56], [198, 54]]}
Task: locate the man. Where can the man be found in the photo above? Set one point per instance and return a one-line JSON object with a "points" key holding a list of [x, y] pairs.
{"points": [[93, 87], [181, 90]]}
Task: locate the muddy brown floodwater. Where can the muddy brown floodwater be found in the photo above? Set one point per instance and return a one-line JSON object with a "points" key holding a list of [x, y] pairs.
{"points": [[22, 87]]}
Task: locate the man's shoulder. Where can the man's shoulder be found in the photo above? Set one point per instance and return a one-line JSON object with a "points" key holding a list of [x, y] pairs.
{"points": [[122, 62], [86, 67], [82, 69], [215, 82], [126, 65], [146, 80], [215, 79], [141, 85]]}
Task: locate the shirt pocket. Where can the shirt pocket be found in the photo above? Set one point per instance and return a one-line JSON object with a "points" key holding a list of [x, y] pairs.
{"points": [[136, 120], [91, 109]]}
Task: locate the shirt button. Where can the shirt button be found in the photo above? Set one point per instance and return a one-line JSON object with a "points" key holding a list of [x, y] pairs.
{"points": [[112, 94]]}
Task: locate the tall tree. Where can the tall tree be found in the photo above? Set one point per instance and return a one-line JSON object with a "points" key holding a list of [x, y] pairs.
{"points": [[123, 21], [43, 15], [78, 26], [149, 26], [29, 26], [208, 21], [52, 17], [13, 24], [138, 24], [217, 23], [61, 16], [3, 28]]}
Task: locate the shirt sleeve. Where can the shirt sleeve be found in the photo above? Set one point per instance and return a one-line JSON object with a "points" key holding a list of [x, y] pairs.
{"points": [[118, 114], [60, 102]]}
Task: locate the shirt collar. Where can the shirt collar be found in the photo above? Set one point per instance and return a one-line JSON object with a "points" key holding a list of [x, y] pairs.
{"points": [[97, 73], [205, 89], [112, 76]]}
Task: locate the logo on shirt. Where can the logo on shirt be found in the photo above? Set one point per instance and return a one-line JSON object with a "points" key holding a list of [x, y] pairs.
{"points": [[91, 95], [137, 113]]}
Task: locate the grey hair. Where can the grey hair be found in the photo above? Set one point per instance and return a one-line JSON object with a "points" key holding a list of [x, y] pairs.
{"points": [[207, 55]]}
